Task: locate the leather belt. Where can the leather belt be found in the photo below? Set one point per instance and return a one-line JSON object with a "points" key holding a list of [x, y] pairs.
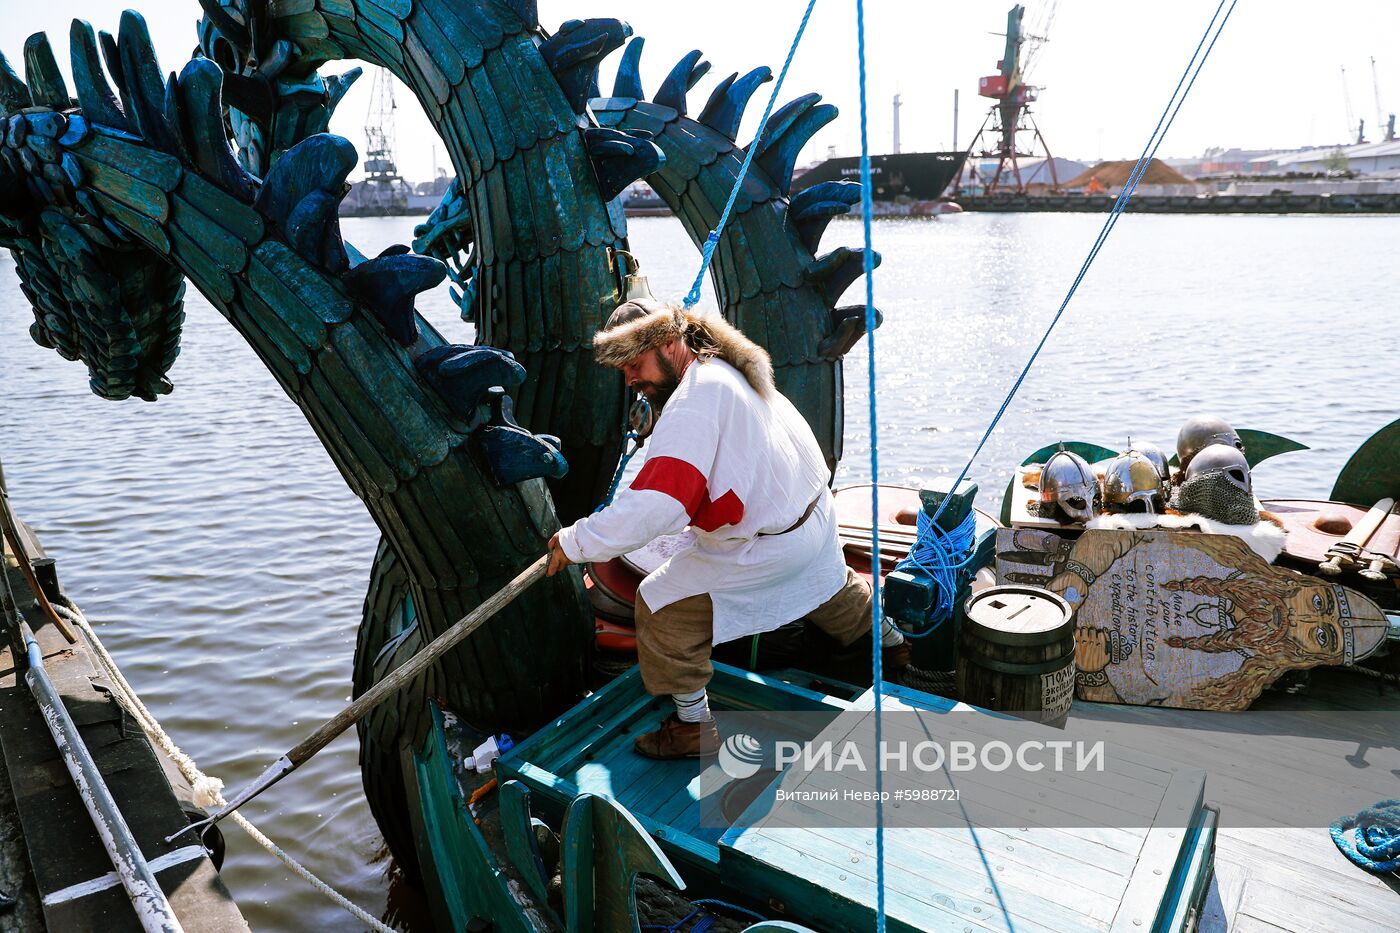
{"points": [[806, 514]]}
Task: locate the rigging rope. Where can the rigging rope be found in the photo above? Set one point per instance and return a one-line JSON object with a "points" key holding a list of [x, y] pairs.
{"points": [[1149, 152], [208, 790], [708, 250], [877, 673]]}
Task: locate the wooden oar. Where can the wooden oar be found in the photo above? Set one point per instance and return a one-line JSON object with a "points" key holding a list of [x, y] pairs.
{"points": [[377, 694], [11, 531]]}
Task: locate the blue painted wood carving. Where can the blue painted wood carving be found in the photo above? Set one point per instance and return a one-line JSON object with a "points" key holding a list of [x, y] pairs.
{"points": [[115, 193]]}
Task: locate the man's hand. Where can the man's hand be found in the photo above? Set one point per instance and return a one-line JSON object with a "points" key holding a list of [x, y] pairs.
{"points": [[558, 560]]}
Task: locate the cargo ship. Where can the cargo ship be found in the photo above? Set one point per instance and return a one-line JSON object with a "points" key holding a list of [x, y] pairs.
{"points": [[896, 178]]}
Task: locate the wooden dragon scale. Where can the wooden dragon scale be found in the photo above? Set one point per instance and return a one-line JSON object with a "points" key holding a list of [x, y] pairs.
{"points": [[420, 429], [536, 177], [531, 202], [767, 278]]}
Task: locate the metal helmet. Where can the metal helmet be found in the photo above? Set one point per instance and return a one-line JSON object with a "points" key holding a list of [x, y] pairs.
{"points": [[1223, 459], [1132, 484], [1068, 485], [1157, 457], [1199, 433]]}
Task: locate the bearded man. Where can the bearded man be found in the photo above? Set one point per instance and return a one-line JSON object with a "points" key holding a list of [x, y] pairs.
{"points": [[732, 459]]}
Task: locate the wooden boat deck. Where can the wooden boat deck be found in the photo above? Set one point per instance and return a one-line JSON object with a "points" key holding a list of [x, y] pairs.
{"points": [[1295, 879], [1266, 879]]}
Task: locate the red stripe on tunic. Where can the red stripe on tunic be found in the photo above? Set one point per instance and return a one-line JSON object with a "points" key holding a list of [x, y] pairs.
{"points": [[686, 484]]}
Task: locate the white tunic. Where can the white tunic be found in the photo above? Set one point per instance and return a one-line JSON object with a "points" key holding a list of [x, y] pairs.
{"points": [[729, 464]]}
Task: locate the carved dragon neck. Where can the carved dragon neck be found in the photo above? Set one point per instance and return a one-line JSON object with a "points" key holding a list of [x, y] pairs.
{"points": [[536, 177]]}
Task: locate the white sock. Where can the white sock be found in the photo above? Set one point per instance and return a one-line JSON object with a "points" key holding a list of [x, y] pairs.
{"points": [[890, 636], [693, 707]]}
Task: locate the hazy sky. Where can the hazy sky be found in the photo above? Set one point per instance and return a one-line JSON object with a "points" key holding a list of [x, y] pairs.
{"points": [[1273, 80]]}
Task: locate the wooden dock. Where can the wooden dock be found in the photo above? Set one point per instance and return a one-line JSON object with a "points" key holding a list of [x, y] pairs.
{"points": [[51, 857]]}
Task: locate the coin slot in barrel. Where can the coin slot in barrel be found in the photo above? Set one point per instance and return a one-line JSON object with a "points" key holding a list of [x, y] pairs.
{"points": [[1016, 653]]}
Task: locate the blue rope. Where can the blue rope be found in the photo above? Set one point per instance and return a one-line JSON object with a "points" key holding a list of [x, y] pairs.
{"points": [[708, 250], [877, 672], [1154, 141], [636, 441], [703, 906], [1376, 846], [944, 556]]}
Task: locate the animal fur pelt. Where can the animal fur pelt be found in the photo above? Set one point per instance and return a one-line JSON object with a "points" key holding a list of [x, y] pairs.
{"points": [[642, 324], [1264, 538]]}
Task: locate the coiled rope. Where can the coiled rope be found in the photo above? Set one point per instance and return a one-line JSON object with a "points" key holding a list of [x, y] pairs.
{"points": [[208, 790], [1371, 838], [944, 556], [708, 250]]}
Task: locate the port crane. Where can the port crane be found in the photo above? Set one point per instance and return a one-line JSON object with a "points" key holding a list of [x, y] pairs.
{"points": [[1009, 120]]}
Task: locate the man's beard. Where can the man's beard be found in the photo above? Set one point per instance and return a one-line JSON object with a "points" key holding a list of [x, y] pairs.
{"points": [[660, 392]]}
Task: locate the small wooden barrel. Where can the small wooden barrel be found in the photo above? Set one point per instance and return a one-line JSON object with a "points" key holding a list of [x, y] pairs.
{"points": [[1016, 653]]}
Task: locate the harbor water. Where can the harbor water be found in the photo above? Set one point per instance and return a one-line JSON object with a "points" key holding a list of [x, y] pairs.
{"points": [[224, 561]]}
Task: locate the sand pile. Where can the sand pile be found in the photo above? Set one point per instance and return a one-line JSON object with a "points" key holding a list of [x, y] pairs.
{"points": [[1116, 174]]}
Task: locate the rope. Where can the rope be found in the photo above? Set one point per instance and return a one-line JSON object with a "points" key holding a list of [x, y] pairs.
{"points": [[1374, 843], [943, 556], [208, 790], [704, 906], [621, 469], [876, 667], [708, 250], [637, 416], [1149, 152], [1159, 133]]}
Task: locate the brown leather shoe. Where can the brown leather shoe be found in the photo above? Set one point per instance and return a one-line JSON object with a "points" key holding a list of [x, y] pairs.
{"points": [[894, 659], [676, 739]]}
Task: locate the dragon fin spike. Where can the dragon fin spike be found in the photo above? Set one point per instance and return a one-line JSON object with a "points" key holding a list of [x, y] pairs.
{"points": [[388, 284], [95, 96], [812, 208], [784, 117], [46, 84], [681, 79], [223, 19], [296, 192], [202, 123], [628, 82], [725, 110], [513, 454], [834, 272], [14, 93], [573, 53], [716, 100], [171, 111], [847, 327], [779, 153], [619, 159], [145, 91], [463, 375]]}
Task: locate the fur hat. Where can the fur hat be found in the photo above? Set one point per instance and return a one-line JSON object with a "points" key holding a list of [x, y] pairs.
{"points": [[644, 324]]}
